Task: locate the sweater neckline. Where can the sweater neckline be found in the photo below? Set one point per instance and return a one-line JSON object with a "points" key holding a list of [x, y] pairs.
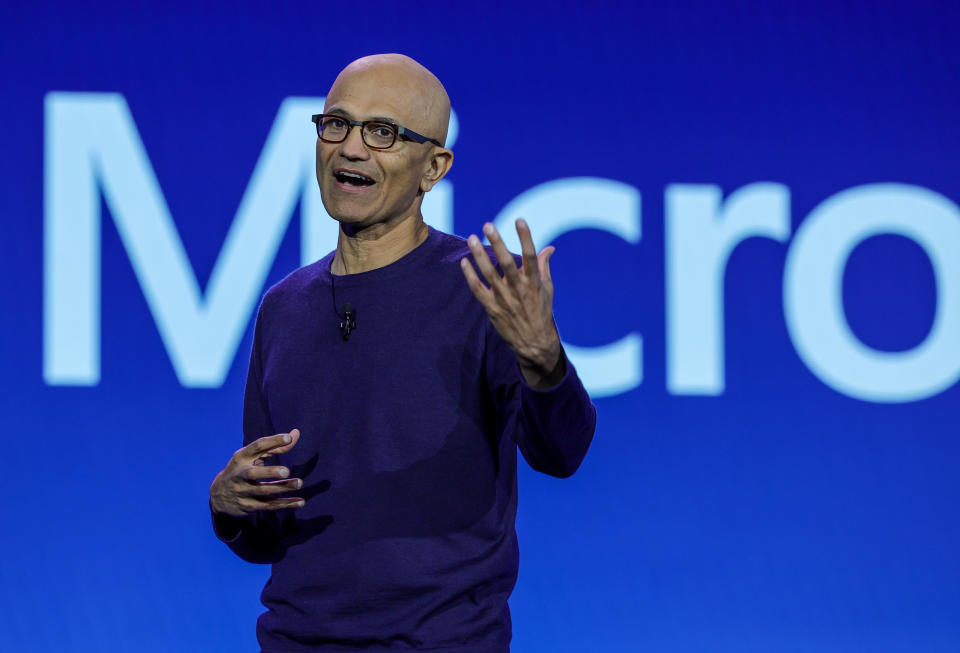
{"points": [[409, 262]]}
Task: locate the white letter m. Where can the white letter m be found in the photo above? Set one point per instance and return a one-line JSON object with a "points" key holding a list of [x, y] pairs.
{"points": [[91, 143]]}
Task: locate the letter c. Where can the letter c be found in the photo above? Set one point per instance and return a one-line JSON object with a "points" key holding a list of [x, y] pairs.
{"points": [[556, 207]]}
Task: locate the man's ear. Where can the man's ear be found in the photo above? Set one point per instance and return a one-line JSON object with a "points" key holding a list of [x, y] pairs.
{"points": [[436, 167]]}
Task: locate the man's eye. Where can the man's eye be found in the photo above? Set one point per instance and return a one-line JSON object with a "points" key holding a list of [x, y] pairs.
{"points": [[383, 131], [334, 125]]}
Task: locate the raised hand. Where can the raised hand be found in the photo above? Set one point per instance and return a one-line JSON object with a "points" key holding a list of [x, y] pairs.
{"points": [[242, 487], [520, 303]]}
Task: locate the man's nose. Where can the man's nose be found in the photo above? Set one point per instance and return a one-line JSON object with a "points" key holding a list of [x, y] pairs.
{"points": [[353, 147]]}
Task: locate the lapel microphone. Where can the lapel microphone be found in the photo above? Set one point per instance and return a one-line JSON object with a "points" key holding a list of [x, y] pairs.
{"points": [[348, 321]]}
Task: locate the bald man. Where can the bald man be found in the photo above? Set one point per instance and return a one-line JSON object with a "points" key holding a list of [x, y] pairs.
{"points": [[390, 385]]}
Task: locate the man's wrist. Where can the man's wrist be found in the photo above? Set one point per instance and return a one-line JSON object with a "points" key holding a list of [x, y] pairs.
{"points": [[546, 373], [226, 526]]}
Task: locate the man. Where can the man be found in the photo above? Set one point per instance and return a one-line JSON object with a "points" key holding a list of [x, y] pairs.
{"points": [[393, 387]]}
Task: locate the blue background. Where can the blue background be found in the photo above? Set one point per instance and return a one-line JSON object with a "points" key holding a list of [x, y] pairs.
{"points": [[781, 515]]}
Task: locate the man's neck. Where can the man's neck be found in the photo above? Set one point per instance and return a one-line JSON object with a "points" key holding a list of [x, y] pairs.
{"points": [[378, 245]]}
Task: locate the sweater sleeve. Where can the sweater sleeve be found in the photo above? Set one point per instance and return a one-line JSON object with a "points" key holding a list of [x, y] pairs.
{"points": [[554, 427], [253, 537]]}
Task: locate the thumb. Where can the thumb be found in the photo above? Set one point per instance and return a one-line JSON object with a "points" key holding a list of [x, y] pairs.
{"points": [[543, 261]]}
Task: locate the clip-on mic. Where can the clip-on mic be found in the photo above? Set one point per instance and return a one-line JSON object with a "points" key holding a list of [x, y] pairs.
{"points": [[349, 322]]}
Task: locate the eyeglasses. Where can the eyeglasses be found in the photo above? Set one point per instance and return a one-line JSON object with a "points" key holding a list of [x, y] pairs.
{"points": [[376, 134]]}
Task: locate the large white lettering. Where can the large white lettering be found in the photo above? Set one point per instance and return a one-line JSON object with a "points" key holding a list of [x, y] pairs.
{"points": [[813, 282], [701, 233], [92, 143], [92, 147]]}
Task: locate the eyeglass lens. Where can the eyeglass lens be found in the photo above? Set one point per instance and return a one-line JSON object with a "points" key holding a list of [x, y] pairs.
{"points": [[375, 134]]}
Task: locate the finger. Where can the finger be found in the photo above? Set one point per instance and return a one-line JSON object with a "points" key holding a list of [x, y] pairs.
{"points": [[271, 488], [529, 251], [504, 257], [543, 262], [270, 445], [294, 483], [480, 291], [261, 472], [483, 262], [294, 438], [271, 504]]}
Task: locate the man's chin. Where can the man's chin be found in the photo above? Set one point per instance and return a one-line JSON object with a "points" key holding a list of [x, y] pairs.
{"points": [[353, 222], [350, 213]]}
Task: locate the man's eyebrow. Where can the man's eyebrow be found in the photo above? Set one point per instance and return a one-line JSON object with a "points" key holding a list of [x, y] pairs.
{"points": [[345, 114]]}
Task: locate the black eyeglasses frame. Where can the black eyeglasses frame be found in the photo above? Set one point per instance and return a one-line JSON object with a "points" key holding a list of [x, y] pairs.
{"points": [[399, 130]]}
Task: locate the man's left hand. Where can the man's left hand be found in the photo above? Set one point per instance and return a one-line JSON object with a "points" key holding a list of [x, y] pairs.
{"points": [[520, 303]]}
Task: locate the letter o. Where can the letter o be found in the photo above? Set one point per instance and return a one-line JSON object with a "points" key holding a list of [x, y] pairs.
{"points": [[813, 292]]}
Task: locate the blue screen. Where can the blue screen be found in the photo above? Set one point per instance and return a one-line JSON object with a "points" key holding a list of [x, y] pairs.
{"points": [[757, 274]]}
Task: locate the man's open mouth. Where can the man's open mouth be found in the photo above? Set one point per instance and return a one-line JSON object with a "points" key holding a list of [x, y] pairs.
{"points": [[352, 178]]}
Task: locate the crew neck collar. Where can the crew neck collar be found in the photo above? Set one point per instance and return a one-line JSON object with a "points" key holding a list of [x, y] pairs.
{"points": [[408, 262]]}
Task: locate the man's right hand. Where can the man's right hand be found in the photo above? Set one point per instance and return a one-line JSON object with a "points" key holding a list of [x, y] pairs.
{"points": [[244, 485]]}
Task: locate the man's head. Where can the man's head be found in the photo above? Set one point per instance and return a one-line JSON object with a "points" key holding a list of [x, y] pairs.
{"points": [[397, 89]]}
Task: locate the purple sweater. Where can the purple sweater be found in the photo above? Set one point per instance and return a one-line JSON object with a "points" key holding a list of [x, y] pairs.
{"points": [[408, 454]]}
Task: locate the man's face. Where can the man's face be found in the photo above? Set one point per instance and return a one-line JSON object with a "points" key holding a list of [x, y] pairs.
{"points": [[393, 177]]}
